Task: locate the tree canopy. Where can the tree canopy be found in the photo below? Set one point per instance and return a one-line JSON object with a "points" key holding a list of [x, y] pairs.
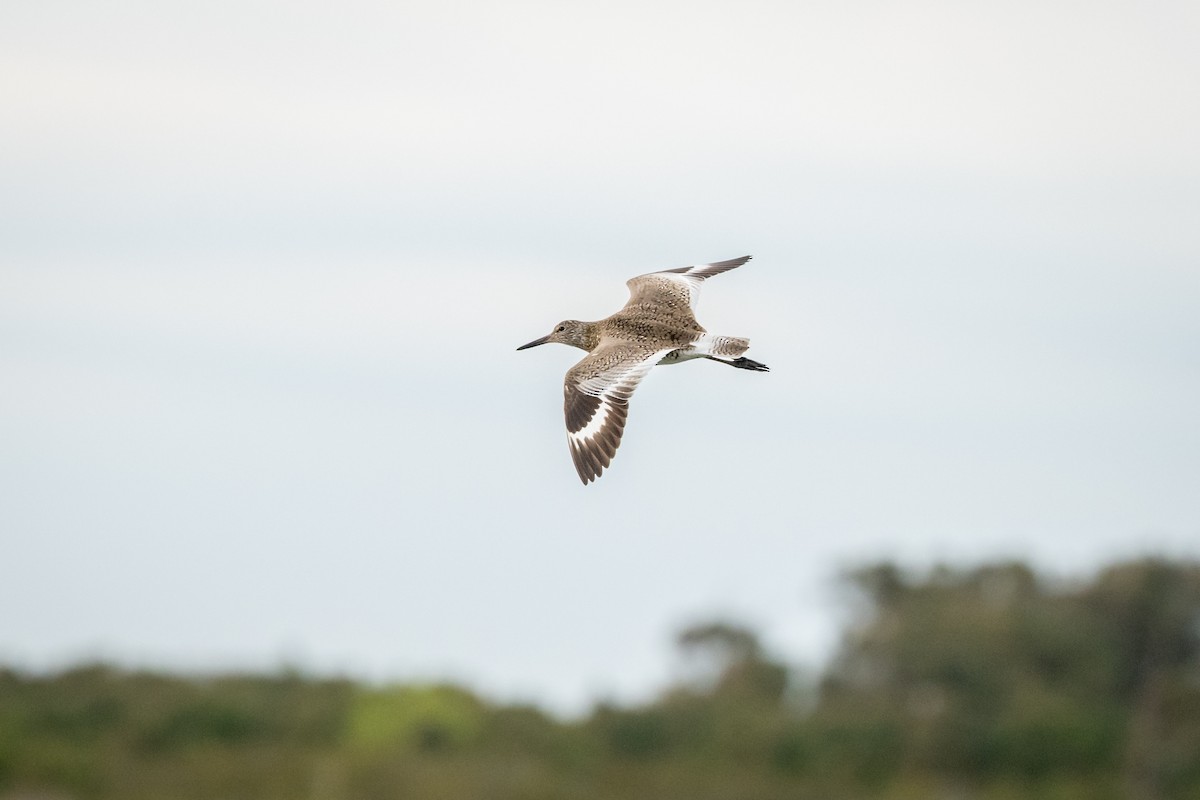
{"points": [[991, 682]]}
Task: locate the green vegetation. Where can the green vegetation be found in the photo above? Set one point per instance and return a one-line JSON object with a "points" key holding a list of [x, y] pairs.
{"points": [[987, 683]]}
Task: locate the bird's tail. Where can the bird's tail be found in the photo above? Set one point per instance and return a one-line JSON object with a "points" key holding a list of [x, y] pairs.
{"points": [[723, 346], [728, 350]]}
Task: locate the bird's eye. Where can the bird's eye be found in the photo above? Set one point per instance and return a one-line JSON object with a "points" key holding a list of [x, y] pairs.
{"points": [[561, 328]]}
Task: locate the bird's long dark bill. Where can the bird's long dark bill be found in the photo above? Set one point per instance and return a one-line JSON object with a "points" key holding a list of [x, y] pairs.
{"points": [[535, 343]]}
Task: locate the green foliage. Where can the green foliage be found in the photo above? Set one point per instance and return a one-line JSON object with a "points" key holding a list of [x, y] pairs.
{"points": [[986, 683], [426, 718]]}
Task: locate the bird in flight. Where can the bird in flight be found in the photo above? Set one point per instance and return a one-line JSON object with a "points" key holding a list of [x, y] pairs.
{"points": [[657, 326]]}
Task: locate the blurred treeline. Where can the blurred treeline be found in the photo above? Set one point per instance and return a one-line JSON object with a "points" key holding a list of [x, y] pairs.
{"points": [[983, 683]]}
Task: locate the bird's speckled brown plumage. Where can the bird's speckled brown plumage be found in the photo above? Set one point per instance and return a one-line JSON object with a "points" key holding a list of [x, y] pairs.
{"points": [[657, 325]]}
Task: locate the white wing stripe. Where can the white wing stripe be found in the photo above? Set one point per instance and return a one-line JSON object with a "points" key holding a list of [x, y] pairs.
{"points": [[596, 423]]}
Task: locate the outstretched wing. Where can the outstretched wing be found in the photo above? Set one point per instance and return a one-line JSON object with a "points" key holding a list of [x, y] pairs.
{"points": [[596, 402], [677, 285]]}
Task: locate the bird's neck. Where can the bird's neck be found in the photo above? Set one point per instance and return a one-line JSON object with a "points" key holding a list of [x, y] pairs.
{"points": [[590, 337]]}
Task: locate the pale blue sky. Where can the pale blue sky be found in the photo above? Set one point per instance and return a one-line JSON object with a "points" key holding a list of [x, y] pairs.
{"points": [[263, 267]]}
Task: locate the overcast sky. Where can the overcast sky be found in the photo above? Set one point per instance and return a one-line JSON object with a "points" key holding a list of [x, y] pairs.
{"points": [[263, 267]]}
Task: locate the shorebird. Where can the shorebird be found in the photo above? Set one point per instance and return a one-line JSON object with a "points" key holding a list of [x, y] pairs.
{"points": [[657, 326]]}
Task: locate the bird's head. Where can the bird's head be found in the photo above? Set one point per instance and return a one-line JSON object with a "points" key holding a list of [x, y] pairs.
{"points": [[569, 331]]}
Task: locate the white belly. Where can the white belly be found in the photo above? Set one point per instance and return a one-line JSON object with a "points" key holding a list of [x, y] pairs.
{"points": [[681, 355]]}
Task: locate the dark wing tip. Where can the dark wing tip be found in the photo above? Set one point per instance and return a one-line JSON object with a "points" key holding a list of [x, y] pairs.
{"points": [[716, 268], [702, 271], [588, 462], [731, 263], [588, 471]]}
